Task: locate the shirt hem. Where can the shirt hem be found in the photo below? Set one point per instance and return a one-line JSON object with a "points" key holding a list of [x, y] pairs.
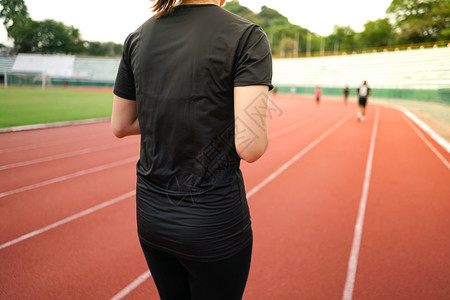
{"points": [[124, 95], [239, 84], [197, 258]]}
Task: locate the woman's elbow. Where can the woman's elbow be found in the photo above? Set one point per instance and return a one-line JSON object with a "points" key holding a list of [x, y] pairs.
{"points": [[117, 130], [253, 152], [119, 134]]}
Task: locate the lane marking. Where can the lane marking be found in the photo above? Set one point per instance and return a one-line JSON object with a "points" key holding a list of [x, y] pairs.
{"points": [[292, 127], [253, 191], [64, 155], [298, 156], [47, 144], [440, 140], [69, 176], [128, 289], [427, 142], [354, 254], [54, 125], [68, 219]]}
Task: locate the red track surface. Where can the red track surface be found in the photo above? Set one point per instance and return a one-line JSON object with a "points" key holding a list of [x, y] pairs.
{"points": [[303, 216]]}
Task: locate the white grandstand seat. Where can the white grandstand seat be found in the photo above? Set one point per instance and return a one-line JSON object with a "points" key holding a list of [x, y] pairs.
{"points": [[6, 64], [409, 69], [97, 69]]}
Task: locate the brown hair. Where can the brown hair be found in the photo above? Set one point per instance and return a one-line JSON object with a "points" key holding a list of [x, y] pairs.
{"points": [[163, 7]]}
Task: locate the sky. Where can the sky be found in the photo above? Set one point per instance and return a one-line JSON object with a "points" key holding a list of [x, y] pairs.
{"points": [[106, 20]]}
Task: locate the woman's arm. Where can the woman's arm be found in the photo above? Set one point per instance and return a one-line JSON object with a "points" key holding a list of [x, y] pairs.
{"points": [[124, 119], [250, 109]]}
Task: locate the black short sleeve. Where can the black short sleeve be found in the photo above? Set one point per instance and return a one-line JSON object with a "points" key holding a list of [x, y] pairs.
{"points": [[254, 59], [124, 86]]}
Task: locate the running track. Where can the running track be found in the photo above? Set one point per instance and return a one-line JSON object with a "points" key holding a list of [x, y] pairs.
{"points": [[340, 210]]}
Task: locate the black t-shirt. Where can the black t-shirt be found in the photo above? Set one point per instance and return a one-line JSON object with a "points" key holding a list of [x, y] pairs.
{"points": [[182, 69]]}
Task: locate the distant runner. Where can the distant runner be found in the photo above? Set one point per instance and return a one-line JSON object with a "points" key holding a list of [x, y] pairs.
{"points": [[346, 91], [318, 92], [363, 92]]}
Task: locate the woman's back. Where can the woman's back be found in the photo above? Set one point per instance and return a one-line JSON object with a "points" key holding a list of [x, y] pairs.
{"points": [[185, 67], [182, 70]]}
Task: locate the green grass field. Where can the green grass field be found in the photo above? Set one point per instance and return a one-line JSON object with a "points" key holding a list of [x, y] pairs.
{"points": [[32, 105]]}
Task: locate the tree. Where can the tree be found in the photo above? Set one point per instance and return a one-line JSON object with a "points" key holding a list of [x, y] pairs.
{"points": [[18, 24], [377, 33], [55, 37], [421, 20], [13, 11], [102, 49], [343, 38]]}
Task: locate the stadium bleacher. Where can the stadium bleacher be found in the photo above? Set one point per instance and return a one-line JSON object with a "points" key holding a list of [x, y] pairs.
{"points": [[409, 69], [55, 66], [96, 69], [6, 64]]}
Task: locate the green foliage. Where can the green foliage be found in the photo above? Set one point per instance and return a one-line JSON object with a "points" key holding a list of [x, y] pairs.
{"points": [[421, 21], [13, 11], [102, 49], [343, 38], [17, 22], [54, 37], [23, 33], [377, 33]]}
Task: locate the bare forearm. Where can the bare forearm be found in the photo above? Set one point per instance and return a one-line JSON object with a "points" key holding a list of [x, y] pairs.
{"points": [[132, 129], [250, 112], [126, 130], [124, 120]]}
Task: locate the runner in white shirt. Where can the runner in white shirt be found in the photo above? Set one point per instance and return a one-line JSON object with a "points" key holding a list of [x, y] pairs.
{"points": [[363, 92]]}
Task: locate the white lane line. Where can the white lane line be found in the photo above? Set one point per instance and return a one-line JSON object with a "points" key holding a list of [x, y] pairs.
{"points": [[440, 140], [48, 144], [353, 260], [298, 156], [69, 176], [63, 155], [285, 130], [68, 219], [424, 139], [53, 125], [132, 286], [291, 128], [123, 293]]}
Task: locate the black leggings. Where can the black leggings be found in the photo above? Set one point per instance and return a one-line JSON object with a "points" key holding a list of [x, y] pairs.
{"points": [[180, 279]]}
